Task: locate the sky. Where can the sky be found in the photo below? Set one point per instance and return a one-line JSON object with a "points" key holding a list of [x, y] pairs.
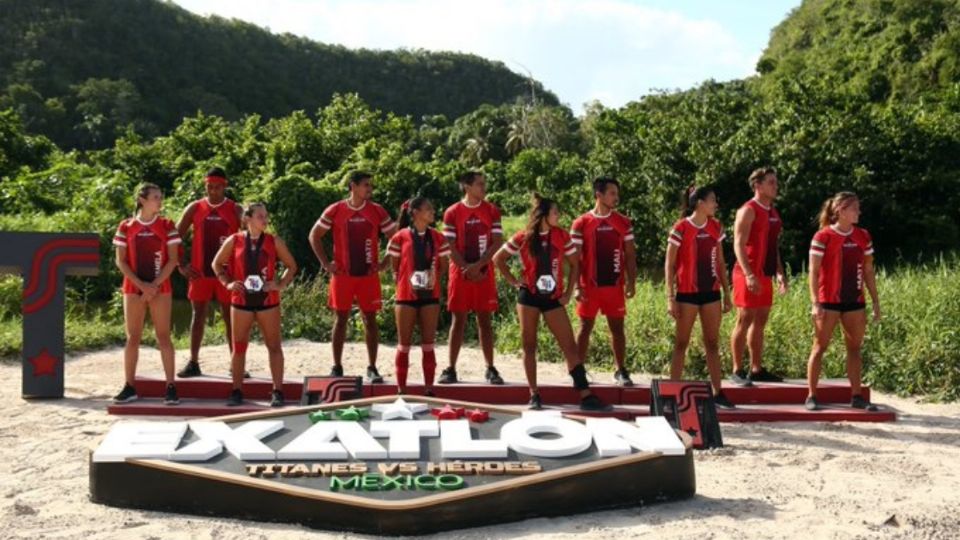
{"points": [[613, 51]]}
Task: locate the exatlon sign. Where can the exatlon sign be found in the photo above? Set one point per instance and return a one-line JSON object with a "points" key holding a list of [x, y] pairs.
{"points": [[389, 466]]}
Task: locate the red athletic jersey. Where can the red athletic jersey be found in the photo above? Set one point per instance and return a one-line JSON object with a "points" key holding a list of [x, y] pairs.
{"points": [[212, 225], [841, 264], [558, 245], [146, 244], [763, 242], [403, 246], [356, 235], [601, 240], [471, 230], [698, 264], [254, 261]]}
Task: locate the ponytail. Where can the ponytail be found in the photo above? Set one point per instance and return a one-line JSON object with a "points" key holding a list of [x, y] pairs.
{"points": [[832, 206], [143, 191], [248, 212], [539, 212], [405, 217], [692, 196]]}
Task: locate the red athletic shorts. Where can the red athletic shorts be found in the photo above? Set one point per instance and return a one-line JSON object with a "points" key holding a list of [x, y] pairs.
{"points": [[464, 295], [205, 289], [611, 301], [743, 298], [364, 290]]}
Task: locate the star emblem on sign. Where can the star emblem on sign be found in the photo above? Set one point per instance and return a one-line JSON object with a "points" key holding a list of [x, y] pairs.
{"points": [[399, 409], [448, 412], [44, 364], [352, 414], [319, 416], [478, 416]]}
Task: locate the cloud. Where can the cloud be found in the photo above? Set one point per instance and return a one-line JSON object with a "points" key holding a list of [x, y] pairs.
{"points": [[611, 50]]}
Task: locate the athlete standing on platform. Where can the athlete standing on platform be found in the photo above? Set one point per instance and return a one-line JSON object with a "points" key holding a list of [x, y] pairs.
{"points": [[146, 254], [213, 219], [756, 240], [695, 272], [542, 247], [841, 264], [356, 224], [418, 254], [247, 266], [604, 238], [472, 226]]}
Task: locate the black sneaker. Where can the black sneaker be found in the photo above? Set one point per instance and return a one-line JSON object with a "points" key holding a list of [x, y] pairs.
{"points": [[857, 402], [336, 371], [373, 376], [126, 395], [492, 376], [171, 397], [236, 398], [811, 404], [721, 400], [740, 378], [246, 374], [191, 369], [276, 398], [764, 376], [622, 378], [448, 376], [592, 403], [535, 403], [429, 393]]}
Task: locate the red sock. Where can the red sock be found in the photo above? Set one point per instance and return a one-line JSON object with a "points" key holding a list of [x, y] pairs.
{"points": [[429, 364], [403, 365]]}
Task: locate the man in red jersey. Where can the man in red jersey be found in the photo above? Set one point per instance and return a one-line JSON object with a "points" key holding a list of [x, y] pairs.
{"points": [[604, 238], [356, 224], [213, 219], [472, 227], [756, 245]]}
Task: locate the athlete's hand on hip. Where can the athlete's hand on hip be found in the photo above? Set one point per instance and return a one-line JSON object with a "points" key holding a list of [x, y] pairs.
{"points": [[753, 284], [876, 312], [236, 286]]}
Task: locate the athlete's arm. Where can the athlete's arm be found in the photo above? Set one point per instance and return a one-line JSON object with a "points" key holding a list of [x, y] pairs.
{"points": [[573, 261], [316, 243], [219, 265], [500, 260], [814, 283], [290, 265], [781, 274], [630, 253], [183, 227], [128, 272], [741, 233], [173, 253], [724, 282], [870, 281], [670, 279]]}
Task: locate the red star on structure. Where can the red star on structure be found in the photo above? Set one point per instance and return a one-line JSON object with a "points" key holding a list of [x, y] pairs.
{"points": [[44, 364], [478, 416], [448, 412]]}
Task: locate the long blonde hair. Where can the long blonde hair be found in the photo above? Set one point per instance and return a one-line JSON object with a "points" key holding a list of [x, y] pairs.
{"points": [[832, 206]]}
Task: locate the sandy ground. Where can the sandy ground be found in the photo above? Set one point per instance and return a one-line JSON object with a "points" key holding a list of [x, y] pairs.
{"points": [[778, 480]]}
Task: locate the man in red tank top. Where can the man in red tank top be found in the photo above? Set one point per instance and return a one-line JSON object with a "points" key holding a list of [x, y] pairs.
{"points": [[213, 219], [756, 246]]}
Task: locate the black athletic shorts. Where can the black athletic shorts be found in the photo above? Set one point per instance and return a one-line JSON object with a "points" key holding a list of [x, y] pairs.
{"points": [[844, 307], [699, 299], [419, 303], [543, 303], [254, 309]]}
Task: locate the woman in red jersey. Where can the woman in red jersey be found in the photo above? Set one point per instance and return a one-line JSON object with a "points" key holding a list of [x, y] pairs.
{"points": [[543, 246], [247, 266], [841, 264], [146, 251], [695, 272], [418, 254]]}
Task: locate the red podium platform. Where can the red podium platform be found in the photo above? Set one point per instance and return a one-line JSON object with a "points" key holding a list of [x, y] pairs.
{"points": [[766, 402]]}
